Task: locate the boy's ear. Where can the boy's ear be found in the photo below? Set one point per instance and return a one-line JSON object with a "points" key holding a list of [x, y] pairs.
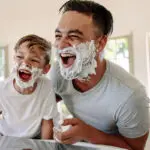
{"points": [[46, 68]]}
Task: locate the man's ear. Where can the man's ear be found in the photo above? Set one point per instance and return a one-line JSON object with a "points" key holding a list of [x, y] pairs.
{"points": [[101, 43], [46, 68]]}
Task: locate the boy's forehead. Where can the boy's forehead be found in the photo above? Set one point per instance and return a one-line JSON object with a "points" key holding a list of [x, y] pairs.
{"points": [[29, 48], [23, 45]]}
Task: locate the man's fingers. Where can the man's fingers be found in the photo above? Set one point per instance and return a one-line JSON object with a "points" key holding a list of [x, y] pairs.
{"points": [[69, 141], [62, 135], [72, 121], [68, 134], [56, 139], [57, 134]]}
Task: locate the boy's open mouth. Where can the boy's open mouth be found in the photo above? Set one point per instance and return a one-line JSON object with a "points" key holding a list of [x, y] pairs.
{"points": [[67, 59], [24, 75]]}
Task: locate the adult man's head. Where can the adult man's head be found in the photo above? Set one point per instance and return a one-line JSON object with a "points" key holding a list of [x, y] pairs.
{"points": [[83, 22], [32, 56]]}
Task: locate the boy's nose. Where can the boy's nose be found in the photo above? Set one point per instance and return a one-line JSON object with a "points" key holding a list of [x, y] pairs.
{"points": [[27, 62]]}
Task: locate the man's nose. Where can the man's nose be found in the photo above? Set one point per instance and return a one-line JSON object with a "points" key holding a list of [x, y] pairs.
{"points": [[63, 43]]}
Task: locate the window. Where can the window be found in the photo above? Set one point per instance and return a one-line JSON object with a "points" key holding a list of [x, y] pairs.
{"points": [[118, 50], [148, 60], [2, 63]]}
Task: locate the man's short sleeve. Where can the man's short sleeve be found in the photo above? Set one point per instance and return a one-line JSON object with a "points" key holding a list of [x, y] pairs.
{"points": [[133, 116]]}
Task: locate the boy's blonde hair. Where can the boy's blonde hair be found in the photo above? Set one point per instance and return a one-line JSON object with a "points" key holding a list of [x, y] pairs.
{"points": [[32, 40]]}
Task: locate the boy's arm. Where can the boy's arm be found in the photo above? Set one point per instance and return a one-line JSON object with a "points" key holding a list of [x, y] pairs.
{"points": [[47, 129]]}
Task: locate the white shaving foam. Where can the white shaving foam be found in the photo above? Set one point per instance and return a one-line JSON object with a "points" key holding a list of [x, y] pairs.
{"points": [[36, 73], [85, 62]]}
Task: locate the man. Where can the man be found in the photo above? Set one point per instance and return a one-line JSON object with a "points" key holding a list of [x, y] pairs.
{"points": [[109, 105]]}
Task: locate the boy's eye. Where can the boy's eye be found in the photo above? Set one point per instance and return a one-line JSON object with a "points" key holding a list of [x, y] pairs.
{"points": [[19, 57], [34, 60]]}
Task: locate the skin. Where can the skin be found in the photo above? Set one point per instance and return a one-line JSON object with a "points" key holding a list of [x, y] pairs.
{"points": [[75, 28], [46, 129], [34, 57]]}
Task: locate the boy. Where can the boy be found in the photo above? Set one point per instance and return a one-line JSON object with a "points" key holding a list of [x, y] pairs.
{"points": [[27, 101]]}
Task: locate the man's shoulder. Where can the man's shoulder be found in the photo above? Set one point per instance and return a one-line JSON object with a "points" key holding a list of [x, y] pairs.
{"points": [[120, 76]]}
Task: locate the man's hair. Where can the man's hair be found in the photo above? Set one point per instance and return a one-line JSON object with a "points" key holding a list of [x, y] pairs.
{"points": [[33, 40], [102, 18]]}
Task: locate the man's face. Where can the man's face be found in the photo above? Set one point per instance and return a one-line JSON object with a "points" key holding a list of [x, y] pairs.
{"points": [[74, 28], [26, 59]]}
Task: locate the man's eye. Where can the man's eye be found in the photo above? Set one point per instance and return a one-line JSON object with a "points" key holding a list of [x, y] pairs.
{"points": [[74, 37], [57, 36]]}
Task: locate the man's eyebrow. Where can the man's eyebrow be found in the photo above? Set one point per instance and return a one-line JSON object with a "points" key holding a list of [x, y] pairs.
{"points": [[57, 30], [76, 31]]}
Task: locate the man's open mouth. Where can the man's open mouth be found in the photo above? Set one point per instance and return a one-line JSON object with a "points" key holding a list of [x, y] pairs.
{"points": [[67, 59], [24, 75]]}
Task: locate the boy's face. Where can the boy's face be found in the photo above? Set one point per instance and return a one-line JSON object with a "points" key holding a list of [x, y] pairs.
{"points": [[28, 59]]}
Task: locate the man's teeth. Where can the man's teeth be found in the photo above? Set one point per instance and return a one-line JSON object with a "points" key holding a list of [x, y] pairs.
{"points": [[66, 55]]}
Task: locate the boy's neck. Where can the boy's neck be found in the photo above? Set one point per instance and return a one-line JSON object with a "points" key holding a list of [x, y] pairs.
{"points": [[25, 91]]}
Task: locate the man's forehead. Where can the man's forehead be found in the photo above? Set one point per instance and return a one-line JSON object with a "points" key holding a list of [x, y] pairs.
{"points": [[74, 20], [74, 15]]}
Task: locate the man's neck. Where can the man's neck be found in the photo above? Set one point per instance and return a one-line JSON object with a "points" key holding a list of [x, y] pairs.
{"points": [[24, 91], [84, 86]]}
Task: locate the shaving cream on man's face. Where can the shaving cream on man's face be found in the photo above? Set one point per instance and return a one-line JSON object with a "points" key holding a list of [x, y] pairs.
{"points": [[26, 77], [77, 61]]}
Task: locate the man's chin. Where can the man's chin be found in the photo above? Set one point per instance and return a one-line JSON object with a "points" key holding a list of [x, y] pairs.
{"points": [[67, 66]]}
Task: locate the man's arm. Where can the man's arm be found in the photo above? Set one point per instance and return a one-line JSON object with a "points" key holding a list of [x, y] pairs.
{"points": [[117, 140], [47, 129], [81, 131]]}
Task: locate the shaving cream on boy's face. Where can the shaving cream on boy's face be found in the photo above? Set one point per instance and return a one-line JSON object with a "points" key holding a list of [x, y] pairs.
{"points": [[78, 61], [25, 76]]}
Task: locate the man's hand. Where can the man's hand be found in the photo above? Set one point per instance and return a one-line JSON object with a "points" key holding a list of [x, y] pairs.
{"points": [[77, 132], [82, 131]]}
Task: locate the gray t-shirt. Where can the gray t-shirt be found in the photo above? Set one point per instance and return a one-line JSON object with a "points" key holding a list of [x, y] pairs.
{"points": [[117, 104]]}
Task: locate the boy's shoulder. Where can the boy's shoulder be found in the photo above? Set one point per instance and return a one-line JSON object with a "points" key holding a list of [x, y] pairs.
{"points": [[44, 86], [5, 82], [45, 81]]}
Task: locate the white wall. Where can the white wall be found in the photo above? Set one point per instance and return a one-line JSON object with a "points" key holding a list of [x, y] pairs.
{"points": [[133, 17], [19, 18]]}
